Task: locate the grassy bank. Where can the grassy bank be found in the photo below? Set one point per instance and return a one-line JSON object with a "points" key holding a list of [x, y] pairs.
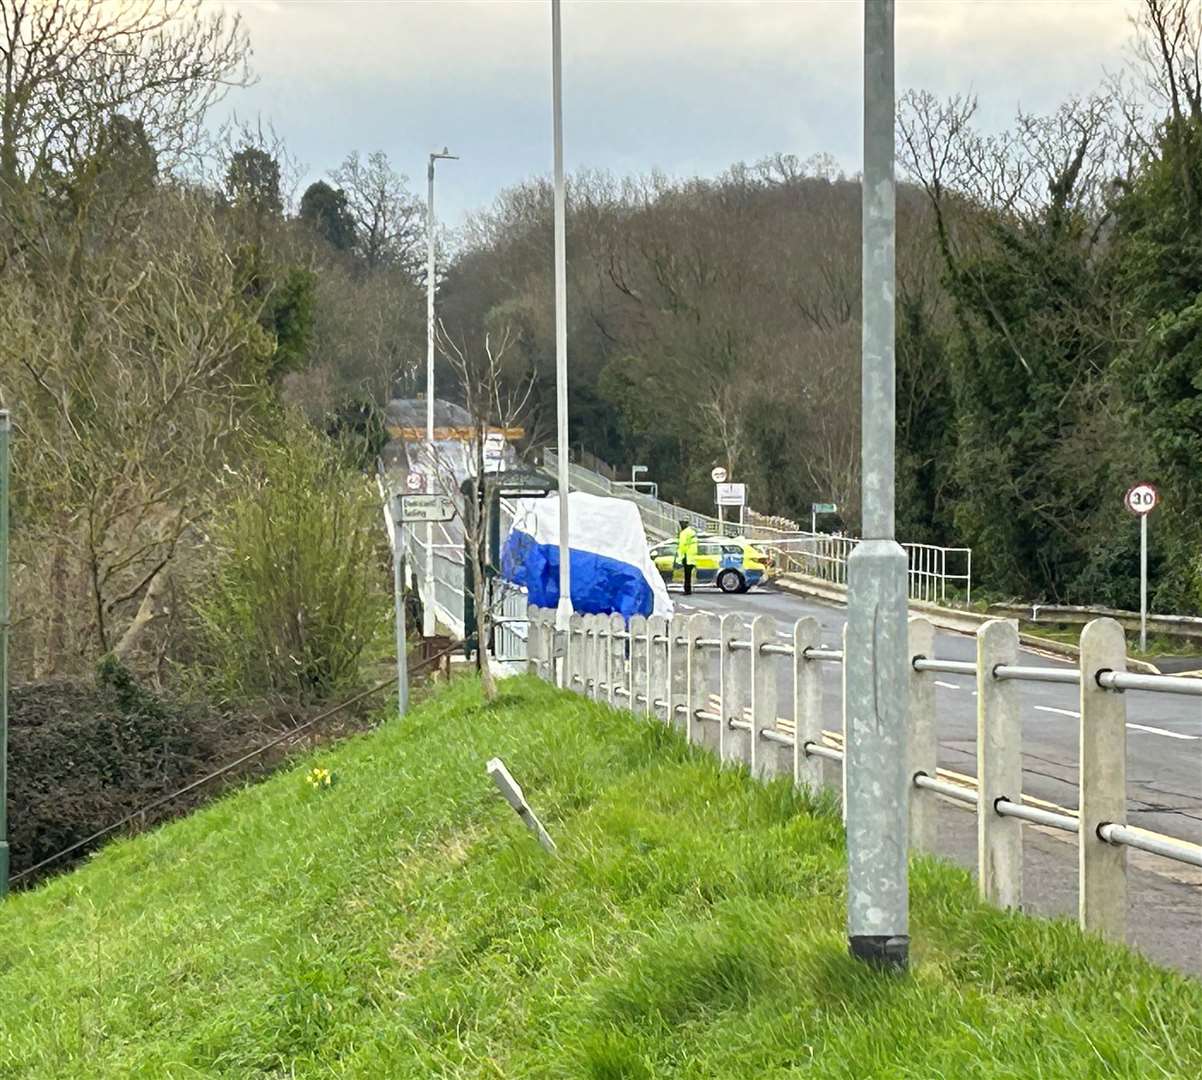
{"points": [[401, 923]]}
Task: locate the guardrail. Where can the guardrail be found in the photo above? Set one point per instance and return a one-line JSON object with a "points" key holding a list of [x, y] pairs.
{"points": [[717, 680], [933, 569], [1186, 626]]}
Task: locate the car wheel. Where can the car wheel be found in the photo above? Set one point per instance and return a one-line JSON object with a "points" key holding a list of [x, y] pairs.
{"points": [[730, 581]]}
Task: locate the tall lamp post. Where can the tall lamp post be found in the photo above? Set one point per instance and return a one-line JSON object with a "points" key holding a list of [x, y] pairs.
{"points": [[564, 609], [877, 632], [428, 606]]}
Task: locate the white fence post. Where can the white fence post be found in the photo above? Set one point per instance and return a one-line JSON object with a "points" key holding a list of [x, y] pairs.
{"points": [[574, 643], [657, 653], [533, 642], [734, 691], [1102, 867], [678, 670], [698, 678], [923, 743], [593, 623], [999, 767], [638, 662], [617, 658], [768, 759], [808, 769], [843, 763]]}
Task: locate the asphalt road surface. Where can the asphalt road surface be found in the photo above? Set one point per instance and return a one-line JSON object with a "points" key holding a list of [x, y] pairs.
{"points": [[1164, 773]]}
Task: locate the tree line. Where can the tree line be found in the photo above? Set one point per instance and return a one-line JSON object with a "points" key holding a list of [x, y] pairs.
{"points": [[1049, 355], [190, 356]]}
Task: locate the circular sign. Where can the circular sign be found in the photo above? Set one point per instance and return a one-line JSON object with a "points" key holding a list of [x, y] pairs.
{"points": [[415, 481], [718, 476], [1141, 499]]}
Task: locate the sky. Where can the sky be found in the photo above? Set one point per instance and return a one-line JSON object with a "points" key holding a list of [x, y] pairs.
{"points": [[683, 86]]}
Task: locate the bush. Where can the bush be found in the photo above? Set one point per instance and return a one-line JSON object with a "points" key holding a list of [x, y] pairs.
{"points": [[296, 604]]}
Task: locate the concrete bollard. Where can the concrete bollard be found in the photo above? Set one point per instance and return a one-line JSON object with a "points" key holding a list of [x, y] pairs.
{"points": [[638, 662], [678, 670], [768, 759], [808, 770], [999, 767], [657, 659], [534, 641], [923, 743], [596, 659], [617, 659], [573, 650], [734, 691], [843, 773], [1102, 867], [698, 679]]}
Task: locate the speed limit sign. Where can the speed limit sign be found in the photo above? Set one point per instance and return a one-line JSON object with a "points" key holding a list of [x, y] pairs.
{"points": [[718, 474], [415, 481], [1141, 499]]}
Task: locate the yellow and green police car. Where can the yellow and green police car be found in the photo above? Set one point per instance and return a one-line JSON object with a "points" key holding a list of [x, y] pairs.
{"points": [[731, 563]]}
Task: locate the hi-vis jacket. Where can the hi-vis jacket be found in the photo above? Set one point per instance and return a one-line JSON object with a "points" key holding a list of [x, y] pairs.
{"points": [[686, 545]]}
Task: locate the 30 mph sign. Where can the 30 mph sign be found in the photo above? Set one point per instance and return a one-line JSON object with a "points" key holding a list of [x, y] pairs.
{"points": [[1141, 499]]}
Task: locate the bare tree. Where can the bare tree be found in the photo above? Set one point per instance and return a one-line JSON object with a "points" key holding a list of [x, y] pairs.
{"points": [[388, 219], [496, 398], [69, 64]]}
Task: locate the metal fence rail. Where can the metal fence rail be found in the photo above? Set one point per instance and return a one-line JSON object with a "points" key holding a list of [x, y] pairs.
{"points": [[718, 682], [934, 571]]}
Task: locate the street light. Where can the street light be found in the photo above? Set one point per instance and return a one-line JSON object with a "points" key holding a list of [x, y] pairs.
{"points": [[563, 611], [428, 606], [877, 654]]}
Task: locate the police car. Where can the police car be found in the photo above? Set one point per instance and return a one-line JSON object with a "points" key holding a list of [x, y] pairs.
{"points": [[731, 563]]}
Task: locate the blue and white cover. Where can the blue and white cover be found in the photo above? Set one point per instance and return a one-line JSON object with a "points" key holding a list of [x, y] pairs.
{"points": [[611, 569]]}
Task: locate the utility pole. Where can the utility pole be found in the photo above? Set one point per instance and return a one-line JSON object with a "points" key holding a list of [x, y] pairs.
{"points": [[563, 611], [428, 606], [877, 787]]}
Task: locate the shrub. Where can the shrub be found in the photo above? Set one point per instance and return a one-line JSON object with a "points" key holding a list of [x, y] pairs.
{"points": [[296, 603]]}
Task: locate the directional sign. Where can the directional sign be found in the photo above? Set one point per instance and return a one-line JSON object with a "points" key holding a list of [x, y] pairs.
{"points": [[408, 509], [1141, 499], [732, 494], [718, 475], [823, 508], [415, 481]]}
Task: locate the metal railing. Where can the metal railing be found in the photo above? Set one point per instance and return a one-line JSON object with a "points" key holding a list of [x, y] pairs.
{"points": [[934, 570], [718, 681]]}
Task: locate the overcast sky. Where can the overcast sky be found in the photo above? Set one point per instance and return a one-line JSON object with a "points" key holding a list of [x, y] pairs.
{"points": [[686, 86]]}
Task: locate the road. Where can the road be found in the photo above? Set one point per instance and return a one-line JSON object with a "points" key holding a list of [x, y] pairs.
{"points": [[1164, 777], [1164, 731]]}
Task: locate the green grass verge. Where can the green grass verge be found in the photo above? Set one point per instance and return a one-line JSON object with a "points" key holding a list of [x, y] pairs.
{"points": [[403, 924]]}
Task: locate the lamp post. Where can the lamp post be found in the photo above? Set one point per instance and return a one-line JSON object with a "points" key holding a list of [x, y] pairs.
{"points": [[564, 609], [877, 787], [428, 606]]}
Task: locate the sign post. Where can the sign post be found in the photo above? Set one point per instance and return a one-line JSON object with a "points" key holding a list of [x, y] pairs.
{"points": [[410, 510], [1141, 500], [718, 476]]}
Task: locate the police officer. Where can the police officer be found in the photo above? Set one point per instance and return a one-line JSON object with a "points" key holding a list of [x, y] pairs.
{"points": [[686, 554]]}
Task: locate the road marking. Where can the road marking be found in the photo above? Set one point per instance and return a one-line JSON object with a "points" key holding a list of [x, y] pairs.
{"points": [[1059, 712], [946, 685], [1161, 731]]}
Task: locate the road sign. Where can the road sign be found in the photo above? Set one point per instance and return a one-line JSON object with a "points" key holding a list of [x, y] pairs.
{"points": [[732, 494], [1141, 499], [718, 475], [415, 481], [823, 508], [408, 509]]}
